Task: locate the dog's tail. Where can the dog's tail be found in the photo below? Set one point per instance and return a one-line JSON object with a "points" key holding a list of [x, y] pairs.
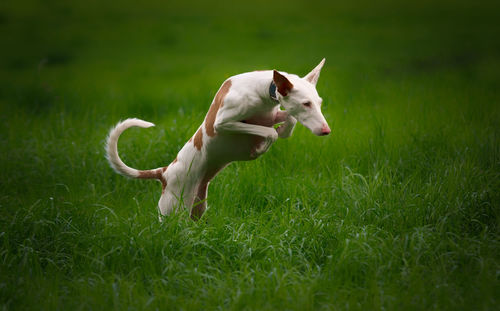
{"points": [[114, 159]]}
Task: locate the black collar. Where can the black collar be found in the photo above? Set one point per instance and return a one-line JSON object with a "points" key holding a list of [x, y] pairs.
{"points": [[272, 92]]}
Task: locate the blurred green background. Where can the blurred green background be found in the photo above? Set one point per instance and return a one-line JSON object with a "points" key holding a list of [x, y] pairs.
{"points": [[397, 209]]}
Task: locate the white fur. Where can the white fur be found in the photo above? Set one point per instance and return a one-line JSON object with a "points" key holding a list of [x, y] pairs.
{"points": [[112, 146], [244, 130]]}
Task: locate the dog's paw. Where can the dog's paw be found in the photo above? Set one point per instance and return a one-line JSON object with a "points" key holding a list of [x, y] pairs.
{"points": [[273, 136], [266, 144], [254, 155], [259, 150]]}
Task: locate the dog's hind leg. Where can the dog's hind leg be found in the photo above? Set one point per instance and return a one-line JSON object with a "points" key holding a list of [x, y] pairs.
{"points": [[171, 202], [200, 202], [167, 203]]}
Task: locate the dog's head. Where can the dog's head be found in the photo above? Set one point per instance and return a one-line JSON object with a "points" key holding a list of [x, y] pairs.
{"points": [[300, 99]]}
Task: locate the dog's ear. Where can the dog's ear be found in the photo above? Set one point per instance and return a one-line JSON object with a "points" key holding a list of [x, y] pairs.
{"points": [[284, 86], [313, 76]]}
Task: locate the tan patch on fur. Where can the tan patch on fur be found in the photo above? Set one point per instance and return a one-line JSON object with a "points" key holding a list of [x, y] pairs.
{"points": [[163, 184], [150, 174], [198, 139], [163, 180], [217, 103], [155, 174]]}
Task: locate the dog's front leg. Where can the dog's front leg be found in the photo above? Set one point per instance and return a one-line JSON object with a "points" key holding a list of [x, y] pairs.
{"points": [[268, 133], [230, 120]]}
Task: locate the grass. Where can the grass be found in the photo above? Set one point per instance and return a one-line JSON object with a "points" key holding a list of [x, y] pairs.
{"points": [[398, 209]]}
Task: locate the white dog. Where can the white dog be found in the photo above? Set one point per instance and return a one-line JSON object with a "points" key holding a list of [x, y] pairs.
{"points": [[239, 126]]}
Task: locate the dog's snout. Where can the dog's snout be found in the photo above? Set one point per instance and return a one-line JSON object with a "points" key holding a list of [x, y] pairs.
{"points": [[325, 130]]}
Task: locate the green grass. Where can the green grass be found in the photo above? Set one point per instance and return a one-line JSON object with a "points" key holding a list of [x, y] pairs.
{"points": [[399, 209]]}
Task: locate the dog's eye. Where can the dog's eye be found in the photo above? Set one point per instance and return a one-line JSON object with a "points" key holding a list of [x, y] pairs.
{"points": [[307, 104]]}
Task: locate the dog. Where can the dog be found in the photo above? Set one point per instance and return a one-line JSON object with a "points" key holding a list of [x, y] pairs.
{"points": [[239, 126]]}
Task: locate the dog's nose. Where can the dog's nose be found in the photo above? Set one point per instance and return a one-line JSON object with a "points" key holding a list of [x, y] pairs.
{"points": [[325, 130]]}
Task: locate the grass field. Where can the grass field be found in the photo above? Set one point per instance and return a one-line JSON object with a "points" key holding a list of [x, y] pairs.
{"points": [[398, 209]]}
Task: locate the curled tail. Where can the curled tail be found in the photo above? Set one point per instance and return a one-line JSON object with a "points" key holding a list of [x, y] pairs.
{"points": [[114, 159]]}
